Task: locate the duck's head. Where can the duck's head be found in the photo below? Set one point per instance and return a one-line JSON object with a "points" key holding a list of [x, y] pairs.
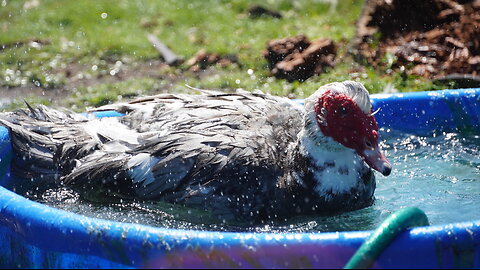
{"points": [[343, 111]]}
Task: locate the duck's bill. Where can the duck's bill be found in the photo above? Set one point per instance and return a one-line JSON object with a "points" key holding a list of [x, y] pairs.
{"points": [[376, 160]]}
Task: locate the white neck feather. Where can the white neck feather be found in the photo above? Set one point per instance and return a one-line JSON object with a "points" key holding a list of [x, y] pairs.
{"points": [[341, 166]]}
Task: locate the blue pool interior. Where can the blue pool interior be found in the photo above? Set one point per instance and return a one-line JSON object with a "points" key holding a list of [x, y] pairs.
{"points": [[35, 235]]}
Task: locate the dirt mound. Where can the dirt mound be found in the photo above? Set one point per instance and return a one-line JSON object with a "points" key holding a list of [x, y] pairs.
{"points": [[430, 38], [203, 59], [297, 58]]}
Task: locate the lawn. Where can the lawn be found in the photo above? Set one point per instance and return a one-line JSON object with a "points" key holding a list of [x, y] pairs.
{"points": [[88, 53]]}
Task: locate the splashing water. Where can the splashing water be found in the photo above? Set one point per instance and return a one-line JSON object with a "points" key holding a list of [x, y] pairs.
{"points": [[439, 174]]}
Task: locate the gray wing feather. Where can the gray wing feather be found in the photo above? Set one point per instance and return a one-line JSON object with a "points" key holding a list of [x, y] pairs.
{"points": [[216, 155]]}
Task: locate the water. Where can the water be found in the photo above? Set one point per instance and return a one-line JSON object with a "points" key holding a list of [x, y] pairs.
{"points": [[439, 174]]}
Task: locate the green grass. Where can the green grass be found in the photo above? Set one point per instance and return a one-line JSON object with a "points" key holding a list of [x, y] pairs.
{"points": [[81, 37]]}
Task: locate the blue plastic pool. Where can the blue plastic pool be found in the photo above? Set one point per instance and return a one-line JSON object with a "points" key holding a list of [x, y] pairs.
{"points": [[33, 235]]}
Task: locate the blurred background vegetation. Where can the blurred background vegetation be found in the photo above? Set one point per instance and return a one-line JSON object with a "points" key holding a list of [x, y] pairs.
{"points": [[87, 53]]}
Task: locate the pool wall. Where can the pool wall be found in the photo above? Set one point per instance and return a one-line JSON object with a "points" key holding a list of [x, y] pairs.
{"points": [[33, 235]]}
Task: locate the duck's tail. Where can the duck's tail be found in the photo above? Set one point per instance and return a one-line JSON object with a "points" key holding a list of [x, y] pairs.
{"points": [[39, 155]]}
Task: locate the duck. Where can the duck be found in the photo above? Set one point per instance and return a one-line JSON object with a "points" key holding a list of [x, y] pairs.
{"points": [[244, 156]]}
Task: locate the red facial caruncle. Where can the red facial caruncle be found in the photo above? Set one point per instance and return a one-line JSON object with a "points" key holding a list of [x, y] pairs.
{"points": [[340, 118]]}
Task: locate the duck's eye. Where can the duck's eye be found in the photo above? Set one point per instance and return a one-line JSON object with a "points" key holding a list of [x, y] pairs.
{"points": [[343, 111]]}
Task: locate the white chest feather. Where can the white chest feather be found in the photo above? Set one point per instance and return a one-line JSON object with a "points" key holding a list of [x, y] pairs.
{"points": [[336, 168]]}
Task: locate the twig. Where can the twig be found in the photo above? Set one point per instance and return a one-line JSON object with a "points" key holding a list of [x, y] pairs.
{"points": [[169, 57]]}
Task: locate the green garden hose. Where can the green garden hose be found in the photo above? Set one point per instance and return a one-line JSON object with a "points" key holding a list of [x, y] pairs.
{"points": [[382, 237]]}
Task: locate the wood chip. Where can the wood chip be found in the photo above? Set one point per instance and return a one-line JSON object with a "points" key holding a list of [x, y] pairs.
{"points": [[439, 34]]}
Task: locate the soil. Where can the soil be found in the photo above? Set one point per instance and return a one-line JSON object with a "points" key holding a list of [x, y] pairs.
{"points": [[203, 59], [77, 77], [298, 58], [430, 38]]}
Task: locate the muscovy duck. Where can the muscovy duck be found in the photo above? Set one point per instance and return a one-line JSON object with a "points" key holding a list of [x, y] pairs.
{"points": [[243, 156]]}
